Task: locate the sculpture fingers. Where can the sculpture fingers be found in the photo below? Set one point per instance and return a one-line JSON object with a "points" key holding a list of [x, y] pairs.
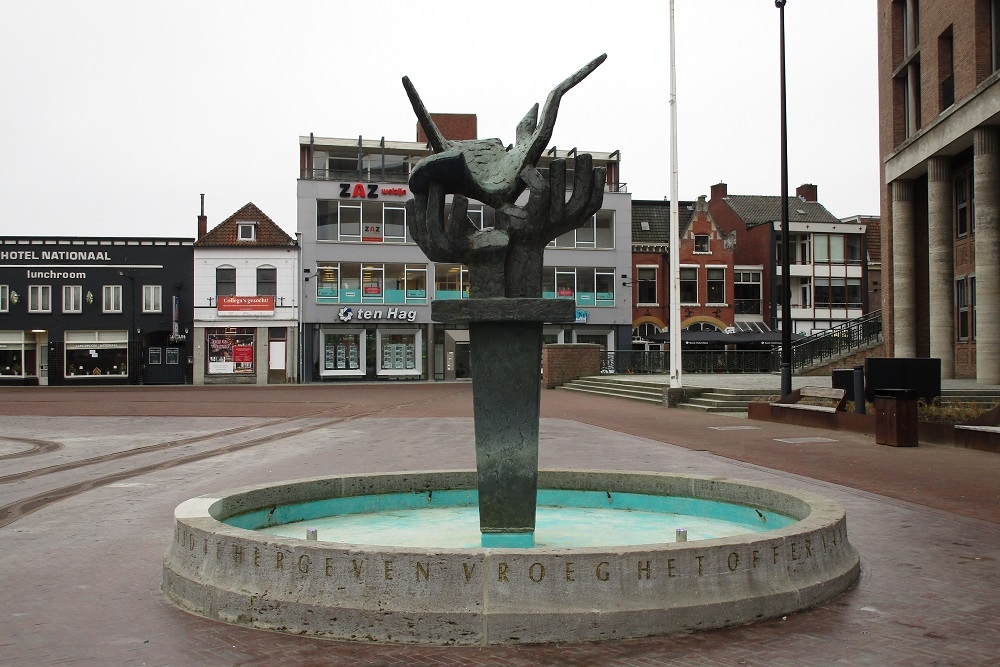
{"points": [[434, 136]]}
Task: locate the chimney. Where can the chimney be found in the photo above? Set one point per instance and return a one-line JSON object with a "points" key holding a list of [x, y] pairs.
{"points": [[453, 126], [807, 192], [719, 191], [202, 220]]}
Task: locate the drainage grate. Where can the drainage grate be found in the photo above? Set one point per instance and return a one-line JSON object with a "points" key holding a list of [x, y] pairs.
{"points": [[803, 441], [734, 428]]}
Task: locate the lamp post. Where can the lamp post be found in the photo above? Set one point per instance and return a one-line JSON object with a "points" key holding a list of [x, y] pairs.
{"points": [[786, 286]]}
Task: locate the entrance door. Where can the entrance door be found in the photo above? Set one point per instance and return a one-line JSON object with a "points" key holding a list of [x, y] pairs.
{"points": [[276, 362]]}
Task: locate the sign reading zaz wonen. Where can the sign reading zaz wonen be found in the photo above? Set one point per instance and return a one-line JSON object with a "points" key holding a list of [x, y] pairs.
{"points": [[246, 305]]}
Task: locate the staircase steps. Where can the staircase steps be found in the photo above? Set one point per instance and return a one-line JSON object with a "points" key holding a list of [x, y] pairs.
{"points": [[726, 400], [649, 392]]}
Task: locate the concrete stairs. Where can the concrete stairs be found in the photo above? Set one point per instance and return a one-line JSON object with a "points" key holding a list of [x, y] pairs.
{"points": [[985, 396], [727, 400], [649, 392]]}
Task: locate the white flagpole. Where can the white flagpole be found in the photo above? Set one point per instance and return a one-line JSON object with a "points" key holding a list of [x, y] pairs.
{"points": [[674, 268]]}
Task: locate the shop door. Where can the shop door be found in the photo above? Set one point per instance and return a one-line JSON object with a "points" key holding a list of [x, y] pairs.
{"points": [[276, 372]]}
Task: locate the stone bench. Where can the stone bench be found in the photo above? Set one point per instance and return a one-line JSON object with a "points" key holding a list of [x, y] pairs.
{"points": [[792, 401]]}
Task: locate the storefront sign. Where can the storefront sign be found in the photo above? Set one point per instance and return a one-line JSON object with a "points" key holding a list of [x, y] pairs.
{"points": [[59, 255], [246, 305], [370, 191], [348, 314], [581, 316]]}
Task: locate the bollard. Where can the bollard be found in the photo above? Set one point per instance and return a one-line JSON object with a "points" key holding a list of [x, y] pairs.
{"points": [[311, 534], [682, 535], [859, 389]]}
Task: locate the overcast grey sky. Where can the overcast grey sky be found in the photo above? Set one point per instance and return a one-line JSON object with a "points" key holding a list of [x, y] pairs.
{"points": [[116, 115]]}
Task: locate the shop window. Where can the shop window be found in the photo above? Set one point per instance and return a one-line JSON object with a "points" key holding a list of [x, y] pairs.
{"points": [[366, 221], [4, 298], [39, 298], [267, 281], [701, 243], [716, 285], [72, 299], [225, 281], [689, 285], [152, 298], [398, 352], [112, 299], [343, 353], [95, 354], [350, 282], [230, 351], [647, 287], [586, 289]]}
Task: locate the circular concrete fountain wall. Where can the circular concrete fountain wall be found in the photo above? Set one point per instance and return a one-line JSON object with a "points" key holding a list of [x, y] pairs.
{"points": [[480, 595]]}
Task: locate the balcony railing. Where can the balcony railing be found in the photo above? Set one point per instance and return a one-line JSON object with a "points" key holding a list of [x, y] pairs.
{"points": [[748, 306]]}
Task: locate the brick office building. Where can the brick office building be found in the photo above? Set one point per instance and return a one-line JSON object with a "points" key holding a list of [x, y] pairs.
{"points": [[939, 144]]}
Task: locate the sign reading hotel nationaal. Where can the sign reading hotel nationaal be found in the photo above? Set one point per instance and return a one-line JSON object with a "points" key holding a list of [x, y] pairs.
{"points": [[57, 255], [246, 305]]}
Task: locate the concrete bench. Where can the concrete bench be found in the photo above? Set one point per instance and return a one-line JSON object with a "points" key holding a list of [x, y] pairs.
{"points": [[792, 400]]}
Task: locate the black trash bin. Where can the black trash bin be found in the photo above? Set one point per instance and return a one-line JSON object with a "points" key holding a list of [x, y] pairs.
{"points": [[843, 378], [896, 417]]}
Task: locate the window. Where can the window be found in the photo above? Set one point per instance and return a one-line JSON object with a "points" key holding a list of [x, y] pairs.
{"points": [[965, 221], [267, 281], [995, 33], [365, 221], [72, 299], [39, 298], [4, 298], [689, 285], [152, 298], [962, 308], [716, 285], [946, 69], [701, 243], [647, 288], [372, 283], [225, 281], [246, 231], [451, 281], [112, 302], [853, 249], [598, 232], [747, 288]]}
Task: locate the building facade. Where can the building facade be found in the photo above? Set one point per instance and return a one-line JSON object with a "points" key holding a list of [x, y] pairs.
{"points": [[828, 267], [86, 311], [939, 143], [367, 288], [246, 301]]}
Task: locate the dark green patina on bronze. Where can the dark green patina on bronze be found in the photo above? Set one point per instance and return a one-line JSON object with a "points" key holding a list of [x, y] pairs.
{"points": [[505, 311]]}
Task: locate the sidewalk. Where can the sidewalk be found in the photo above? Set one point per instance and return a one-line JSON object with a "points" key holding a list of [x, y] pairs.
{"points": [[80, 567]]}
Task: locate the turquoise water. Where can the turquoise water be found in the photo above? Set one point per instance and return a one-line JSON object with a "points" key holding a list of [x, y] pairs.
{"points": [[450, 519]]}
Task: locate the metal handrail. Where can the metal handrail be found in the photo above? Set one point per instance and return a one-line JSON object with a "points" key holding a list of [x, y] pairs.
{"points": [[837, 341]]}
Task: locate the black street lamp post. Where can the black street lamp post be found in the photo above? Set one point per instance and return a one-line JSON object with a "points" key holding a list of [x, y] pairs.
{"points": [[786, 284]]}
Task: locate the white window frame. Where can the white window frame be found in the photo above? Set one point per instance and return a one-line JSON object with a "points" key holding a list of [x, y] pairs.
{"points": [[708, 244], [697, 285], [246, 231], [656, 284], [708, 281], [111, 299], [152, 298], [72, 299], [39, 298]]}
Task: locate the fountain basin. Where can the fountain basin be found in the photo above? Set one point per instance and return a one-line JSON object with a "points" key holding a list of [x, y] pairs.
{"points": [[348, 590]]}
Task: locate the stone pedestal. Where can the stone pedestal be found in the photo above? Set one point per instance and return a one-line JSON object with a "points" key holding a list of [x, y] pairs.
{"points": [[506, 354]]}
